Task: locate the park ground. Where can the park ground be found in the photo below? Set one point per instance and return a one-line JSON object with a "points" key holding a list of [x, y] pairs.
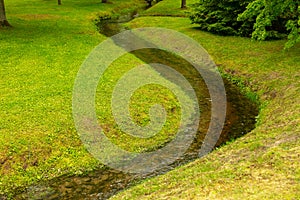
{"points": [[41, 55]]}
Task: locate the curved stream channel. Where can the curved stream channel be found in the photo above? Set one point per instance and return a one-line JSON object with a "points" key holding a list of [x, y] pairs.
{"points": [[103, 183]]}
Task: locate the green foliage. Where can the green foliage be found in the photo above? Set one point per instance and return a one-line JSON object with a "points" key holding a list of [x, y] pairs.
{"points": [[259, 19], [221, 17], [274, 19]]}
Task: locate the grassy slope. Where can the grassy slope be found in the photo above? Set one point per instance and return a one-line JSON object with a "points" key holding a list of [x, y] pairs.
{"points": [[168, 7], [40, 58], [263, 164]]}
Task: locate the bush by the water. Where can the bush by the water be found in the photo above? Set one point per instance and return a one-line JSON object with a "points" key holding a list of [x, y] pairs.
{"points": [[220, 17], [259, 19]]}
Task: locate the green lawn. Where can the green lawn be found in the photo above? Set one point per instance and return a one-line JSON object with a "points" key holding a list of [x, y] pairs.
{"points": [[40, 57], [263, 164]]}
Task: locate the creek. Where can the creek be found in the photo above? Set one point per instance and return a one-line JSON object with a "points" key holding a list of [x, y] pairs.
{"points": [[105, 182]]}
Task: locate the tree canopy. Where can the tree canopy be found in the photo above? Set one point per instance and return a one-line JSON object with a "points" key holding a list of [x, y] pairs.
{"points": [[273, 17]]}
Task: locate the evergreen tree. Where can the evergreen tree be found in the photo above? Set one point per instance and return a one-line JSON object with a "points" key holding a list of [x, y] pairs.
{"points": [[259, 19], [220, 16]]}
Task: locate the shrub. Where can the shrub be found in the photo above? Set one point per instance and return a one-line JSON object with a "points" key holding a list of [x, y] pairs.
{"points": [[220, 17], [259, 19]]}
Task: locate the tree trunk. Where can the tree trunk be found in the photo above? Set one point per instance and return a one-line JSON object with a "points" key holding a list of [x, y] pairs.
{"points": [[149, 3], [59, 2], [3, 20], [183, 3], [104, 1]]}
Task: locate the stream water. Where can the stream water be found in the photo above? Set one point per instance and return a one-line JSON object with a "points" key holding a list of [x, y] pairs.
{"points": [[103, 183]]}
